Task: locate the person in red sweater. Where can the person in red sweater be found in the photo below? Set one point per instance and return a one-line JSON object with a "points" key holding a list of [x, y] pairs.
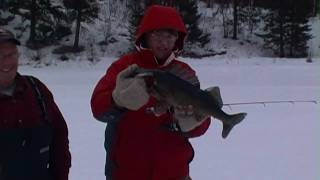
{"points": [[33, 133], [144, 138]]}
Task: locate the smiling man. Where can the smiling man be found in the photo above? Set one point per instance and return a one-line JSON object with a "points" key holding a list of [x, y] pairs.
{"points": [[33, 133], [8, 60]]}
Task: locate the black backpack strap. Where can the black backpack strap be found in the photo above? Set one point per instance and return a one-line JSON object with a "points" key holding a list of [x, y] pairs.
{"points": [[41, 99]]}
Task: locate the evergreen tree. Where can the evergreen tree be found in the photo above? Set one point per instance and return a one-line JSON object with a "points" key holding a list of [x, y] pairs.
{"points": [[223, 10], [4, 19], [249, 18], [273, 35], [317, 7], [298, 30], [44, 18], [235, 19], [170, 3], [286, 29], [242, 11], [86, 11], [136, 9], [189, 12]]}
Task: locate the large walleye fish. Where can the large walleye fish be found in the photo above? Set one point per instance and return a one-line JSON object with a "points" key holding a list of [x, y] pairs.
{"points": [[176, 91]]}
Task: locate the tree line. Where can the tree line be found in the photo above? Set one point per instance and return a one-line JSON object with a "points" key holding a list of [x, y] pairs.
{"points": [[283, 25]]}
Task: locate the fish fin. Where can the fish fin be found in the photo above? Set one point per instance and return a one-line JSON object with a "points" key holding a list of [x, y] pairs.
{"points": [[178, 71], [193, 80], [234, 120], [215, 92], [183, 74]]}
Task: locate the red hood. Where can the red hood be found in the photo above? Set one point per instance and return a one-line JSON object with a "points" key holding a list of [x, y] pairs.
{"points": [[161, 17]]}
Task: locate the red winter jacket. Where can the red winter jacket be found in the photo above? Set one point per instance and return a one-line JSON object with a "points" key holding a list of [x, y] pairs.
{"points": [[142, 148], [23, 110]]}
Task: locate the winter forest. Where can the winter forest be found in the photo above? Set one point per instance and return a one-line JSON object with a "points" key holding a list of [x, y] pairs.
{"points": [[97, 28], [263, 54]]}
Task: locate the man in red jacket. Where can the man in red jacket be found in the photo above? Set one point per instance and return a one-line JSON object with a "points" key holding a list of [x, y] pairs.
{"points": [[142, 145], [33, 133]]}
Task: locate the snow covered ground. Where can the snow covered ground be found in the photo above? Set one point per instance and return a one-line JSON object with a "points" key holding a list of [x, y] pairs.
{"points": [[274, 142]]}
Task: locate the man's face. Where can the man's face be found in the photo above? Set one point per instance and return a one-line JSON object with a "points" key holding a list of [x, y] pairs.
{"points": [[161, 42], [8, 63]]}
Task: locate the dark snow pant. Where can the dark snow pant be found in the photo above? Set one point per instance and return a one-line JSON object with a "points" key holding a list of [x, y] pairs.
{"points": [[112, 118], [25, 153], [109, 136]]}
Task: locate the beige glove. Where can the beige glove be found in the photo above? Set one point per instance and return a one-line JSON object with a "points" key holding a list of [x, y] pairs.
{"points": [[130, 92], [187, 118]]}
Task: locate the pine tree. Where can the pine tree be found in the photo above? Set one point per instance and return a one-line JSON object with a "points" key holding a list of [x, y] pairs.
{"points": [[235, 19], [317, 7], [249, 18], [44, 18], [223, 10], [286, 29], [4, 19], [189, 12], [136, 9], [86, 11], [298, 30], [273, 35]]}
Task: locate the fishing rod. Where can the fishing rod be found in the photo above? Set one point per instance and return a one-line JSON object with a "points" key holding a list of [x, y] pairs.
{"points": [[264, 103]]}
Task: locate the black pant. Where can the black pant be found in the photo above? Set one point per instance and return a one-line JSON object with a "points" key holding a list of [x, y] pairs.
{"points": [[25, 153]]}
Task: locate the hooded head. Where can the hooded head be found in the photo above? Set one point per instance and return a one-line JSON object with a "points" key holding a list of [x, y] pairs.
{"points": [[158, 17]]}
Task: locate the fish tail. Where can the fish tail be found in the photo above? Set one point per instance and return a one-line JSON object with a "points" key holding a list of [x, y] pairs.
{"points": [[234, 119]]}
